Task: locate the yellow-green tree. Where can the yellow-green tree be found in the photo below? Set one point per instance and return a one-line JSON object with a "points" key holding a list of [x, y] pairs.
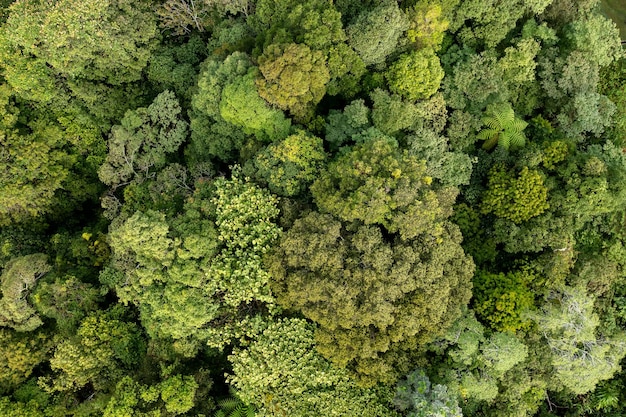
{"points": [[293, 78], [515, 197]]}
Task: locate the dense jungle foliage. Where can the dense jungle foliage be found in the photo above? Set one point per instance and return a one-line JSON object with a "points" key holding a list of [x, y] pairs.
{"points": [[310, 208]]}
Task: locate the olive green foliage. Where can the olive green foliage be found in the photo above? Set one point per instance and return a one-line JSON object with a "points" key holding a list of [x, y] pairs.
{"points": [[281, 373], [294, 78], [290, 165], [143, 140], [198, 275], [516, 198], [47, 165], [17, 280], [503, 300], [416, 75], [20, 353], [371, 298], [417, 397], [316, 24], [375, 32], [377, 183], [105, 346], [101, 40]]}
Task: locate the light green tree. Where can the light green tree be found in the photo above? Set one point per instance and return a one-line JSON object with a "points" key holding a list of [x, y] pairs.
{"points": [[17, 280], [143, 140], [581, 358], [197, 275], [415, 75], [281, 373]]}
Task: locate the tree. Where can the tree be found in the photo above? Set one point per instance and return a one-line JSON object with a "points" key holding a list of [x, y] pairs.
{"points": [[242, 106], [516, 199], [372, 299], [196, 276], [18, 278], [105, 346], [375, 32], [314, 23], [100, 40], [143, 141], [417, 397], [427, 25], [416, 75], [290, 165], [581, 358], [597, 37], [503, 300], [293, 78], [377, 183], [477, 22], [281, 373], [477, 363], [19, 355], [342, 126], [66, 300]]}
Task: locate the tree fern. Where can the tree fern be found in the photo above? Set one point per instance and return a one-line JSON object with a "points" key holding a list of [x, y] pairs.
{"points": [[234, 407], [503, 128]]}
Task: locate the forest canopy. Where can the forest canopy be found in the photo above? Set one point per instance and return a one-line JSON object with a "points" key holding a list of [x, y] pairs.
{"points": [[381, 208]]}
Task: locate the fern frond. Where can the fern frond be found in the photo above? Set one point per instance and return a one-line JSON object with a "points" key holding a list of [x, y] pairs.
{"points": [[504, 116], [504, 140], [238, 412], [228, 404], [487, 133], [517, 140], [517, 125], [491, 122], [490, 143]]}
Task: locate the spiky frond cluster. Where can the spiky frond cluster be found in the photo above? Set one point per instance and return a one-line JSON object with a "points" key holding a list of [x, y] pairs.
{"points": [[234, 407], [503, 128]]}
